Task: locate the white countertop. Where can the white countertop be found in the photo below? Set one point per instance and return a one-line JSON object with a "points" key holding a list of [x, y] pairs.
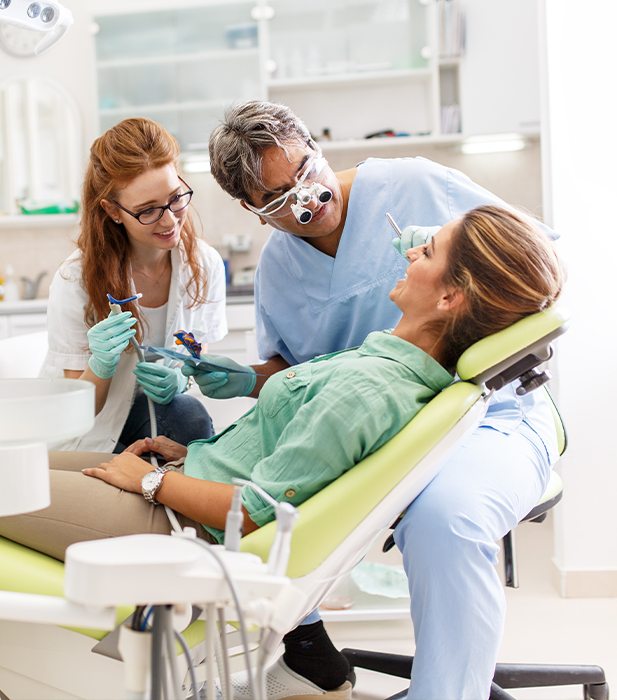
{"points": [[31, 306]]}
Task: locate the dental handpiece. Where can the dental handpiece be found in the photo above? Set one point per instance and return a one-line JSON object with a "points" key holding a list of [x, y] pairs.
{"points": [[114, 305], [399, 233]]}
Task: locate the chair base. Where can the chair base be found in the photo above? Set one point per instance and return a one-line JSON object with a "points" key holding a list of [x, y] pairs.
{"points": [[592, 678]]}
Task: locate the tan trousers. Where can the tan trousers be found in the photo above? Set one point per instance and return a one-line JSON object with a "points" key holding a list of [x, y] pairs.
{"points": [[85, 508]]}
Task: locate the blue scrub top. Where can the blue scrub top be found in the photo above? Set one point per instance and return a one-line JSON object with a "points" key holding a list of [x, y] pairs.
{"points": [[310, 304]]}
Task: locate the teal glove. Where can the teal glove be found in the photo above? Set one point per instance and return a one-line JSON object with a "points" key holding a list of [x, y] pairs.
{"points": [[107, 339], [160, 383], [221, 384], [414, 236]]}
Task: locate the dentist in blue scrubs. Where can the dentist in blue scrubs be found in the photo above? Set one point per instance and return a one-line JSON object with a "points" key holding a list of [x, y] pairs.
{"points": [[321, 286]]}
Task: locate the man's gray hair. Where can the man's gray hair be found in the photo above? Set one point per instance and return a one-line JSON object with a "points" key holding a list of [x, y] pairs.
{"points": [[237, 144]]}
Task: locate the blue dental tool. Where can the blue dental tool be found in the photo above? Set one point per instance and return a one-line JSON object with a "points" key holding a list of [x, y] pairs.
{"points": [[124, 301]]}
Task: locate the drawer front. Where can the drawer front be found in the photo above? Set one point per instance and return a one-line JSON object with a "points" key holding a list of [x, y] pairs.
{"points": [[21, 324], [240, 316]]}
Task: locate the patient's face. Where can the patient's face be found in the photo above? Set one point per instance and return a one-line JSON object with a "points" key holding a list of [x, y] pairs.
{"points": [[422, 289]]}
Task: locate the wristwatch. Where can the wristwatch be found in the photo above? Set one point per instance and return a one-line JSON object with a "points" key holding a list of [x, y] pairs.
{"points": [[152, 482]]}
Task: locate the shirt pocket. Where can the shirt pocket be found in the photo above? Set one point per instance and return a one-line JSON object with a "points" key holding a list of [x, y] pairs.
{"points": [[279, 390]]}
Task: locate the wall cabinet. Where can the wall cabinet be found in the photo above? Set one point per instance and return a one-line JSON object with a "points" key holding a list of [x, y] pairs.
{"points": [[180, 67], [350, 68]]}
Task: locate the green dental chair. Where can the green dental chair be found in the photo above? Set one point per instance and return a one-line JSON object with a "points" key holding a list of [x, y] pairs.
{"points": [[335, 529]]}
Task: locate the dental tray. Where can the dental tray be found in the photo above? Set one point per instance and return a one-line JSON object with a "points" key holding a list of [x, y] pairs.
{"points": [[192, 361]]}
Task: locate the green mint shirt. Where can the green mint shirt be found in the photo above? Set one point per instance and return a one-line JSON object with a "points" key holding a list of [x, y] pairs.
{"points": [[317, 419]]}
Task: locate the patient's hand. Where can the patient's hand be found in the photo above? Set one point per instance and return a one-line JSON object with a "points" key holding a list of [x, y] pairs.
{"points": [[124, 471], [168, 449]]}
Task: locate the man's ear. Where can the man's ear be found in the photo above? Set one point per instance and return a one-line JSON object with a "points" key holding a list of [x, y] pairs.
{"points": [[451, 300], [243, 204]]}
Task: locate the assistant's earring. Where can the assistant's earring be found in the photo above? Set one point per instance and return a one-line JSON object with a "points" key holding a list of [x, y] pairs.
{"points": [[117, 221]]}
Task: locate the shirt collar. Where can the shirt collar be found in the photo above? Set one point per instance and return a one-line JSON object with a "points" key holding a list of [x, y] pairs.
{"points": [[384, 344]]}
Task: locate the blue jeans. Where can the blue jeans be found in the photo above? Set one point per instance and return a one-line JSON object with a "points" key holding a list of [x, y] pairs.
{"points": [[183, 419]]}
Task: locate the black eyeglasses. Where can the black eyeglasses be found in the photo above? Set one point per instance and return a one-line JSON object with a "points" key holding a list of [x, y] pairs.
{"points": [[151, 216]]}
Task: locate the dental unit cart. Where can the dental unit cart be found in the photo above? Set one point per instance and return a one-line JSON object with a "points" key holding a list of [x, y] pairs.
{"points": [[164, 576]]}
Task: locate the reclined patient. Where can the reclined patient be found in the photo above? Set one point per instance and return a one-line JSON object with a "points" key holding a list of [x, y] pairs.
{"points": [[478, 275]]}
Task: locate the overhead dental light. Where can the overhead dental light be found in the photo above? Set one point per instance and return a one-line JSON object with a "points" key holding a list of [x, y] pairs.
{"points": [[48, 17], [493, 143]]}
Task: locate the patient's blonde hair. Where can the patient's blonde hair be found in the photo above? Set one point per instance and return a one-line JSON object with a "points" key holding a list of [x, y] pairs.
{"points": [[506, 268]]}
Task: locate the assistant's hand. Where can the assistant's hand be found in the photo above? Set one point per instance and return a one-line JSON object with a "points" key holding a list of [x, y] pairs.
{"points": [[124, 471], [168, 449], [221, 384], [160, 383], [107, 339], [413, 236]]}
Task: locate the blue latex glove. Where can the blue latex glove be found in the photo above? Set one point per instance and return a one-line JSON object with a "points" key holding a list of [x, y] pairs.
{"points": [[107, 339], [160, 383], [413, 236], [220, 384]]}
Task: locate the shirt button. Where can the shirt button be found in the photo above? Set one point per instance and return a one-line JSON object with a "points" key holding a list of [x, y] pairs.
{"points": [[290, 375], [290, 493]]}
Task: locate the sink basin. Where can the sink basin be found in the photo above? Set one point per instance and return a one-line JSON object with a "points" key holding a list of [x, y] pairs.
{"points": [[44, 410], [34, 412]]}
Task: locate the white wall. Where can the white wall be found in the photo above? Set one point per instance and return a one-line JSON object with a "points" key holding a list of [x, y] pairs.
{"points": [[70, 63], [580, 192]]}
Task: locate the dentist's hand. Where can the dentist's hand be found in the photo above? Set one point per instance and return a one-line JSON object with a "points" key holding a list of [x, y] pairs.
{"points": [[107, 339], [414, 236], [160, 383], [220, 384]]}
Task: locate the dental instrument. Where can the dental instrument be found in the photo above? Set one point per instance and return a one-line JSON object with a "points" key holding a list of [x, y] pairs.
{"points": [[411, 236], [399, 233], [189, 342], [47, 16], [114, 305], [234, 522], [194, 362]]}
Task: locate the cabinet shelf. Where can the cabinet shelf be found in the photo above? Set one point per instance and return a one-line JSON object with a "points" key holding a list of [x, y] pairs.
{"points": [[220, 55], [165, 107], [393, 142], [388, 77]]}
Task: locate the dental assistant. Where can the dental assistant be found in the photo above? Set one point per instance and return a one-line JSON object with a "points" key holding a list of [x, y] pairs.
{"points": [[320, 288], [137, 236]]}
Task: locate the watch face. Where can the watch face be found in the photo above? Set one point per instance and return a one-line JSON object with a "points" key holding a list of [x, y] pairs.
{"points": [[150, 481], [19, 41]]}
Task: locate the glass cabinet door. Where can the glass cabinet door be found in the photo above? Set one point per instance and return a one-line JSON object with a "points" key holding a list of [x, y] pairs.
{"points": [[336, 37], [180, 67]]}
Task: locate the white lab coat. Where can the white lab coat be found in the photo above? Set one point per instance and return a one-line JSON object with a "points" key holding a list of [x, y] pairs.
{"points": [[68, 342]]}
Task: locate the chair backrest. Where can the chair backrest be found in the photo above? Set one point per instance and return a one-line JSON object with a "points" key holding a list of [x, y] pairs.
{"points": [[339, 524], [23, 355]]}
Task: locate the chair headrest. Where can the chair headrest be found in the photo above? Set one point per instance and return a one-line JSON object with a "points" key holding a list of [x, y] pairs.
{"points": [[502, 357]]}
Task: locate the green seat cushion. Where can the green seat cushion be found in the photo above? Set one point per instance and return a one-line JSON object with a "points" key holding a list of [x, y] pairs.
{"points": [[495, 349], [24, 570]]}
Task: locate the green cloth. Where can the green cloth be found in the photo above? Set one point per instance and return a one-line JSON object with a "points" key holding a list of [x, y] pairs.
{"points": [[316, 420]]}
